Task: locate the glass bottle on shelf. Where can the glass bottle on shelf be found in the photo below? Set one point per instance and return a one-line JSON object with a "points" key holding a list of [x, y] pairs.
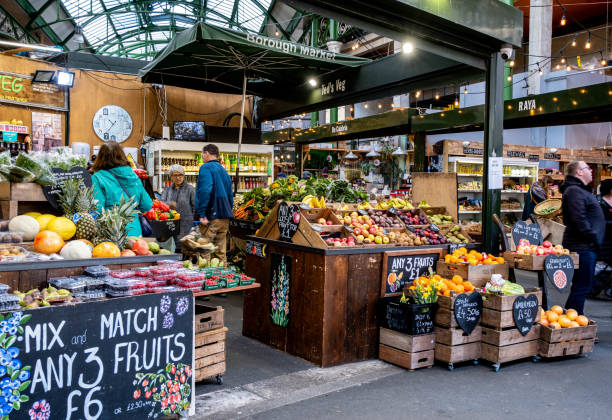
{"points": [[233, 163]]}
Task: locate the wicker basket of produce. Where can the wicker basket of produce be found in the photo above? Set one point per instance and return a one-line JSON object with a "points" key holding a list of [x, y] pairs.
{"points": [[548, 208]]}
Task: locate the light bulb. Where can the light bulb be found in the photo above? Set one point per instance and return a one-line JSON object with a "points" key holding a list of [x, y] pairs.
{"points": [[465, 91], [456, 102], [509, 78], [351, 109], [563, 60], [558, 66], [366, 106], [540, 72], [604, 62], [568, 68], [574, 42], [312, 82], [588, 44], [563, 20], [511, 63], [437, 96], [276, 33], [407, 47], [417, 93], [379, 106]]}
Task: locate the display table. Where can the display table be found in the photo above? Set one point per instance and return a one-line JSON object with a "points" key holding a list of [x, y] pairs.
{"points": [[332, 301]]}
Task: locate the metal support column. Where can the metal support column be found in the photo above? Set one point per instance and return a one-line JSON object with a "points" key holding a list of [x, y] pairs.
{"points": [[508, 70], [493, 145], [419, 151], [299, 163], [314, 38], [333, 37]]}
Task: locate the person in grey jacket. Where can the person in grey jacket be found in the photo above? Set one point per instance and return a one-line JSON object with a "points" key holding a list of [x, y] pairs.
{"points": [[181, 197]]}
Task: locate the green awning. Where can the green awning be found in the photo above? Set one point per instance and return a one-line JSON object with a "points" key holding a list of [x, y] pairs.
{"points": [[214, 59]]}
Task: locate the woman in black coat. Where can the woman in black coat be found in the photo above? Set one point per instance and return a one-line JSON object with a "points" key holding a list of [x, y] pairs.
{"points": [[605, 252]]}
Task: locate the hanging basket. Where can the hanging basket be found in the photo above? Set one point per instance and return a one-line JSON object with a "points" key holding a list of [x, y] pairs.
{"points": [[548, 208]]}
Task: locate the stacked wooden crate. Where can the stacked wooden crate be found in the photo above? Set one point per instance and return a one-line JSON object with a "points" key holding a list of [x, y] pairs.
{"points": [[209, 343], [501, 339], [408, 351], [453, 345], [567, 341]]}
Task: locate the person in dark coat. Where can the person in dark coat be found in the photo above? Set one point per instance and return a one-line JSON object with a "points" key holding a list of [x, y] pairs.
{"points": [[181, 197], [605, 252], [214, 199], [585, 228], [537, 193]]}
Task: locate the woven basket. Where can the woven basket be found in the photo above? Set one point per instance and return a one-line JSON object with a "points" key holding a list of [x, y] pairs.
{"points": [[553, 203]]}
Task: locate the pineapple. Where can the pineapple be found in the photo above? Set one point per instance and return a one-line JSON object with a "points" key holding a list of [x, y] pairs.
{"points": [[84, 205], [86, 227], [113, 222], [71, 190]]}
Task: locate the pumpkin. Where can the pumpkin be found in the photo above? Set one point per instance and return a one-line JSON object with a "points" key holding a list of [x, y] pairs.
{"points": [[106, 250], [48, 242], [76, 250], [26, 224]]}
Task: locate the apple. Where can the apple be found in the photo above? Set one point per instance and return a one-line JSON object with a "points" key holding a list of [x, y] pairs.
{"points": [[321, 221], [347, 219], [366, 226], [329, 241], [336, 239], [367, 240], [371, 237], [356, 231], [372, 230], [540, 250], [566, 251], [546, 244], [329, 222], [360, 238], [378, 240], [338, 243], [354, 214], [385, 240], [524, 242]]}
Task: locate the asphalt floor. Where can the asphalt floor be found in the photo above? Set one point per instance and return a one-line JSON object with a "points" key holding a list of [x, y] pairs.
{"points": [[264, 383]]}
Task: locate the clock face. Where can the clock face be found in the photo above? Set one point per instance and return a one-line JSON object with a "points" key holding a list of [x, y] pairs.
{"points": [[112, 123]]}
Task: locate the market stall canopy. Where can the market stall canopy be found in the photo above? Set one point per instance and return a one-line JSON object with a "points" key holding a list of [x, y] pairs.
{"points": [[214, 59]]}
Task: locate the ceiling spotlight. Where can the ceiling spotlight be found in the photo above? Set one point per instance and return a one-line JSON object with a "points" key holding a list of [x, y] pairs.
{"points": [[417, 94], [558, 66], [456, 103], [351, 109], [574, 41], [563, 60], [351, 156], [568, 68], [511, 63], [509, 78], [540, 71], [588, 43], [437, 96], [603, 61], [563, 20], [276, 33], [366, 106], [407, 47], [465, 91], [312, 82]]}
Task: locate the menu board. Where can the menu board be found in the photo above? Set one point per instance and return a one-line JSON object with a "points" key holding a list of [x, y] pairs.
{"points": [[126, 358], [522, 230], [402, 267]]}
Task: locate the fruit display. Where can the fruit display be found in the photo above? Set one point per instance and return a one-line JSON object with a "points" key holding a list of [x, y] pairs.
{"points": [[25, 224], [461, 255], [547, 248], [383, 219], [470, 205], [428, 236], [35, 298], [11, 237], [161, 211], [499, 285], [454, 236], [76, 250], [442, 286], [412, 217], [246, 211], [440, 219], [557, 318], [79, 205], [314, 202], [396, 203], [341, 241], [12, 254], [367, 231]]}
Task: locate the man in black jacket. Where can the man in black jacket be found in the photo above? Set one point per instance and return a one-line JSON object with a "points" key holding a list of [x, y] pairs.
{"points": [[585, 228]]}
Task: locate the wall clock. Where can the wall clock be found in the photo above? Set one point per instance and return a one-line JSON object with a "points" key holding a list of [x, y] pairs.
{"points": [[112, 123]]}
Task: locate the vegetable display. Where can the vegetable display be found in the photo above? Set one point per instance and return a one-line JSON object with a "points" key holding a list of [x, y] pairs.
{"points": [[161, 211]]}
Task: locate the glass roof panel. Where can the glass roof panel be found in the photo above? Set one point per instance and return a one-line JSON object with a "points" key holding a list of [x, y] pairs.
{"points": [[107, 24]]}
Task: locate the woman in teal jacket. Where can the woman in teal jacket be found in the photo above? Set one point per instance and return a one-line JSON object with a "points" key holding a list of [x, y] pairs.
{"points": [[113, 177]]}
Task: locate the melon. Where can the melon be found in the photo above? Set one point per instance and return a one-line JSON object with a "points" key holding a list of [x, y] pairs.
{"points": [[26, 224], [76, 250]]}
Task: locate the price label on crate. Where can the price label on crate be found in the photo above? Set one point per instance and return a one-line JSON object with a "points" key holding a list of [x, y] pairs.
{"points": [[392, 210], [525, 312], [256, 248], [468, 310], [560, 271], [522, 230]]}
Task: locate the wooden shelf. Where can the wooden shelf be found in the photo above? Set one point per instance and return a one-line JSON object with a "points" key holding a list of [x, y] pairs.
{"points": [[480, 175], [226, 290], [470, 191], [513, 192]]}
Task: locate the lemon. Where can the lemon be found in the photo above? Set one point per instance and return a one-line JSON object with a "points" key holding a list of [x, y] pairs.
{"points": [[33, 214], [44, 219], [63, 227]]}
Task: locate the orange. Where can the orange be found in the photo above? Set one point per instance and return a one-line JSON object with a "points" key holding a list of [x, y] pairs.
{"points": [[557, 309], [552, 316], [574, 324], [582, 320], [572, 314], [564, 321], [554, 325], [457, 279], [544, 322], [459, 288], [106, 250], [500, 260], [542, 313], [447, 258]]}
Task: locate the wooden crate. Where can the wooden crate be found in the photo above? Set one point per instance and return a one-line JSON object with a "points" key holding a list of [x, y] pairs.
{"points": [[508, 336], [405, 342], [508, 353], [19, 198], [497, 309], [313, 215], [445, 317], [456, 336], [478, 275], [410, 361], [457, 354], [567, 341], [532, 262], [209, 354], [207, 318]]}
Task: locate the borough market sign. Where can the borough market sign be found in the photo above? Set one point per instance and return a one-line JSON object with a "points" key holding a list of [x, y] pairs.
{"points": [[290, 47], [18, 89]]}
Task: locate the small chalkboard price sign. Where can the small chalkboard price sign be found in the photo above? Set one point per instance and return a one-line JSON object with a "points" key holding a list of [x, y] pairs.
{"points": [[402, 267], [525, 312], [423, 322], [522, 230], [560, 271], [288, 219], [125, 358], [256, 248], [53, 191], [468, 310]]}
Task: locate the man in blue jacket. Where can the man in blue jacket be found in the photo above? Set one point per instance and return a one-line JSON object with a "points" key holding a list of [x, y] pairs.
{"points": [[585, 228], [214, 199]]}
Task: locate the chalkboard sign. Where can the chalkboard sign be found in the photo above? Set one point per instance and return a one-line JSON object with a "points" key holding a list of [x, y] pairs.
{"points": [[125, 358], [392, 211], [362, 212], [407, 318], [560, 271], [288, 219], [453, 247], [468, 310], [525, 311], [402, 267], [522, 230], [256, 248], [53, 191]]}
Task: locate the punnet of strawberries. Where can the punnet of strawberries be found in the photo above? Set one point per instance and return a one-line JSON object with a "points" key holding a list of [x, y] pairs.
{"points": [[161, 211]]}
